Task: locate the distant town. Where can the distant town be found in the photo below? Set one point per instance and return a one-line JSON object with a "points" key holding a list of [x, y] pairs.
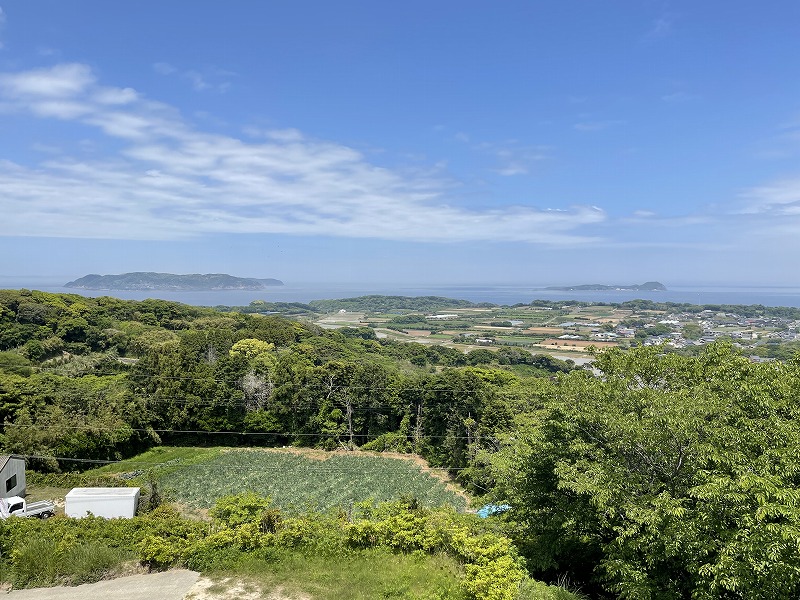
{"points": [[572, 329]]}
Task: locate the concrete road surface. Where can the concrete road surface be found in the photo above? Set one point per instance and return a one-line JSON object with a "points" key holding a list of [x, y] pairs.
{"points": [[170, 585]]}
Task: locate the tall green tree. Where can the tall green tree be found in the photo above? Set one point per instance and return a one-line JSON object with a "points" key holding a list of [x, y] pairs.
{"points": [[665, 477]]}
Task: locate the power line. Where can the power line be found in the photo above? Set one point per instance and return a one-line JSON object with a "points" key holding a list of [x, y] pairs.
{"points": [[319, 465], [342, 435], [306, 385]]}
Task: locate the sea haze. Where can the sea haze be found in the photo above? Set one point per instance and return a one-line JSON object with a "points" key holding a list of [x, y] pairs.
{"points": [[497, 294]]}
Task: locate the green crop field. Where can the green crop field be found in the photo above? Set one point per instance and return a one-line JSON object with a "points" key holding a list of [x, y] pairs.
{"points": [[293, 479]]}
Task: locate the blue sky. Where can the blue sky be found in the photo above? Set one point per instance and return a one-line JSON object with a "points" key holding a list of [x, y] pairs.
{"points": [[421, 142]]}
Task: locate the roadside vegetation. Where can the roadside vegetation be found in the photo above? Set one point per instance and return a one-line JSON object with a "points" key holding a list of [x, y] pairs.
{"points": [[386, 550], [658, 474]]}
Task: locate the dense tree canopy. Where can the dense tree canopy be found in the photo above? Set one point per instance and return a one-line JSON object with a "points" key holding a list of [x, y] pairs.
{"points": [[666, 477]]}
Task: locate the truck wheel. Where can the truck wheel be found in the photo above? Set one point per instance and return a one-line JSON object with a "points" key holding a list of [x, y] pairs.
{"points": [[46, 515]]}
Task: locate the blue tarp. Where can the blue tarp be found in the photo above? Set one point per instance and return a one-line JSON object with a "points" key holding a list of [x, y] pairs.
{"points": [[492, 509]]}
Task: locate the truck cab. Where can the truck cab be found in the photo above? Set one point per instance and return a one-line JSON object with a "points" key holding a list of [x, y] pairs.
{"points": [[13, 506]]}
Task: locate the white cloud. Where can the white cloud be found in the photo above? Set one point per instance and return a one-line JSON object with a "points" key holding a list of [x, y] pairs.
{"points": [[594, 125], [513, 159], [661, 27], [509, 156], [61, 81], [678, 97], [208, 79], [115, 96], [285, 135], [197, 80], [780, 197], [163, 68], [162, 178], [60, 109], [651, 219]]}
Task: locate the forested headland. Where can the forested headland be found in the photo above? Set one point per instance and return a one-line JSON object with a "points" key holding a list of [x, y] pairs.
{"points": [[655, 475]]}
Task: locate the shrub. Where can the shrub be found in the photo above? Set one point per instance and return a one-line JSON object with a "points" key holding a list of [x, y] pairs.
{"points": [[236, 510], [162, 552]]}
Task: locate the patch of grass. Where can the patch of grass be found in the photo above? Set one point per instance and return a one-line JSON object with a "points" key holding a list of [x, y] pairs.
{"points": [[92, 561], [45, 492], [364, 575], [43, 562], [161, 461]]}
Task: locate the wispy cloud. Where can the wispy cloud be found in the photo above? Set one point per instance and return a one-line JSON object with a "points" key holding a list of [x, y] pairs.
{"points": [[212, 78], [509, 156], [650, 219], [2, 26], [513, 158], [163, 68], [588, 126], [660, 27], [778, 198], [163, 178], [678, 97]]}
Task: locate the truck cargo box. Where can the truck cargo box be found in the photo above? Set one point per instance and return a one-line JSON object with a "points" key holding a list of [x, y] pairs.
{"points": [[102, 502]]}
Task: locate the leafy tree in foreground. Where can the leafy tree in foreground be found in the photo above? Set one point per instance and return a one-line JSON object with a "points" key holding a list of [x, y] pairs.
{"points": [[667, 477]]}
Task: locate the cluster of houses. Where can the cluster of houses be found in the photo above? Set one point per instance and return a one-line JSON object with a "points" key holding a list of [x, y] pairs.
{"points": [[710, 324]]}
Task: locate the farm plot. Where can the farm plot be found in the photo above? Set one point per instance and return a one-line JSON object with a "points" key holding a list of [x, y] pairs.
{"points": [[297, 481]]}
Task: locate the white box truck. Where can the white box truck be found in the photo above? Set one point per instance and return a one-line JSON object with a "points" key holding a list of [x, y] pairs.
{"points": [[110, 503]]}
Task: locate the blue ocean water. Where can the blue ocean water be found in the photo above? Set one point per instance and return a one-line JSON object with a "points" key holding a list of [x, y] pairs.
{"points": [[497, 294]]}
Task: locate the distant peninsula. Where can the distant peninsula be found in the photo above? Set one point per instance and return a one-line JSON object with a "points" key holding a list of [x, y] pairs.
{"points": [[650, 286], [170, 282]]}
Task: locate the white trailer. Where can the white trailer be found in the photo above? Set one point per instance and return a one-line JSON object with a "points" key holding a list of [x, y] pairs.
{"points": [[110, 503]]}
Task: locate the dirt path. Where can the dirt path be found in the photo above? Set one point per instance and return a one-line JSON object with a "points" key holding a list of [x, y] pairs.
{"points": [[170, 585]]}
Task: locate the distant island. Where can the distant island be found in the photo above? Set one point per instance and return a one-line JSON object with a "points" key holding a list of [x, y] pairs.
{"points": [[171, 282], [650, 286]]}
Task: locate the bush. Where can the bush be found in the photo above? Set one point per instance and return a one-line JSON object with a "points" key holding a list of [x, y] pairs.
{"points": [[161, 552], [236, 510], [530, 589]]}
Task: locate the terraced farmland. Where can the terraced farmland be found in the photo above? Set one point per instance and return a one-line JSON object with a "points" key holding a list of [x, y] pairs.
{"points": [[302, 480]]}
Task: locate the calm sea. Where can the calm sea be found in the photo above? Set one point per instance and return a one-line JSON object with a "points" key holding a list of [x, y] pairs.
{"points": [[497, 294]]}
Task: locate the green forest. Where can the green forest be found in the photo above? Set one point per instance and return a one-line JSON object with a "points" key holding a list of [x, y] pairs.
{"points": [[654, 475]]}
